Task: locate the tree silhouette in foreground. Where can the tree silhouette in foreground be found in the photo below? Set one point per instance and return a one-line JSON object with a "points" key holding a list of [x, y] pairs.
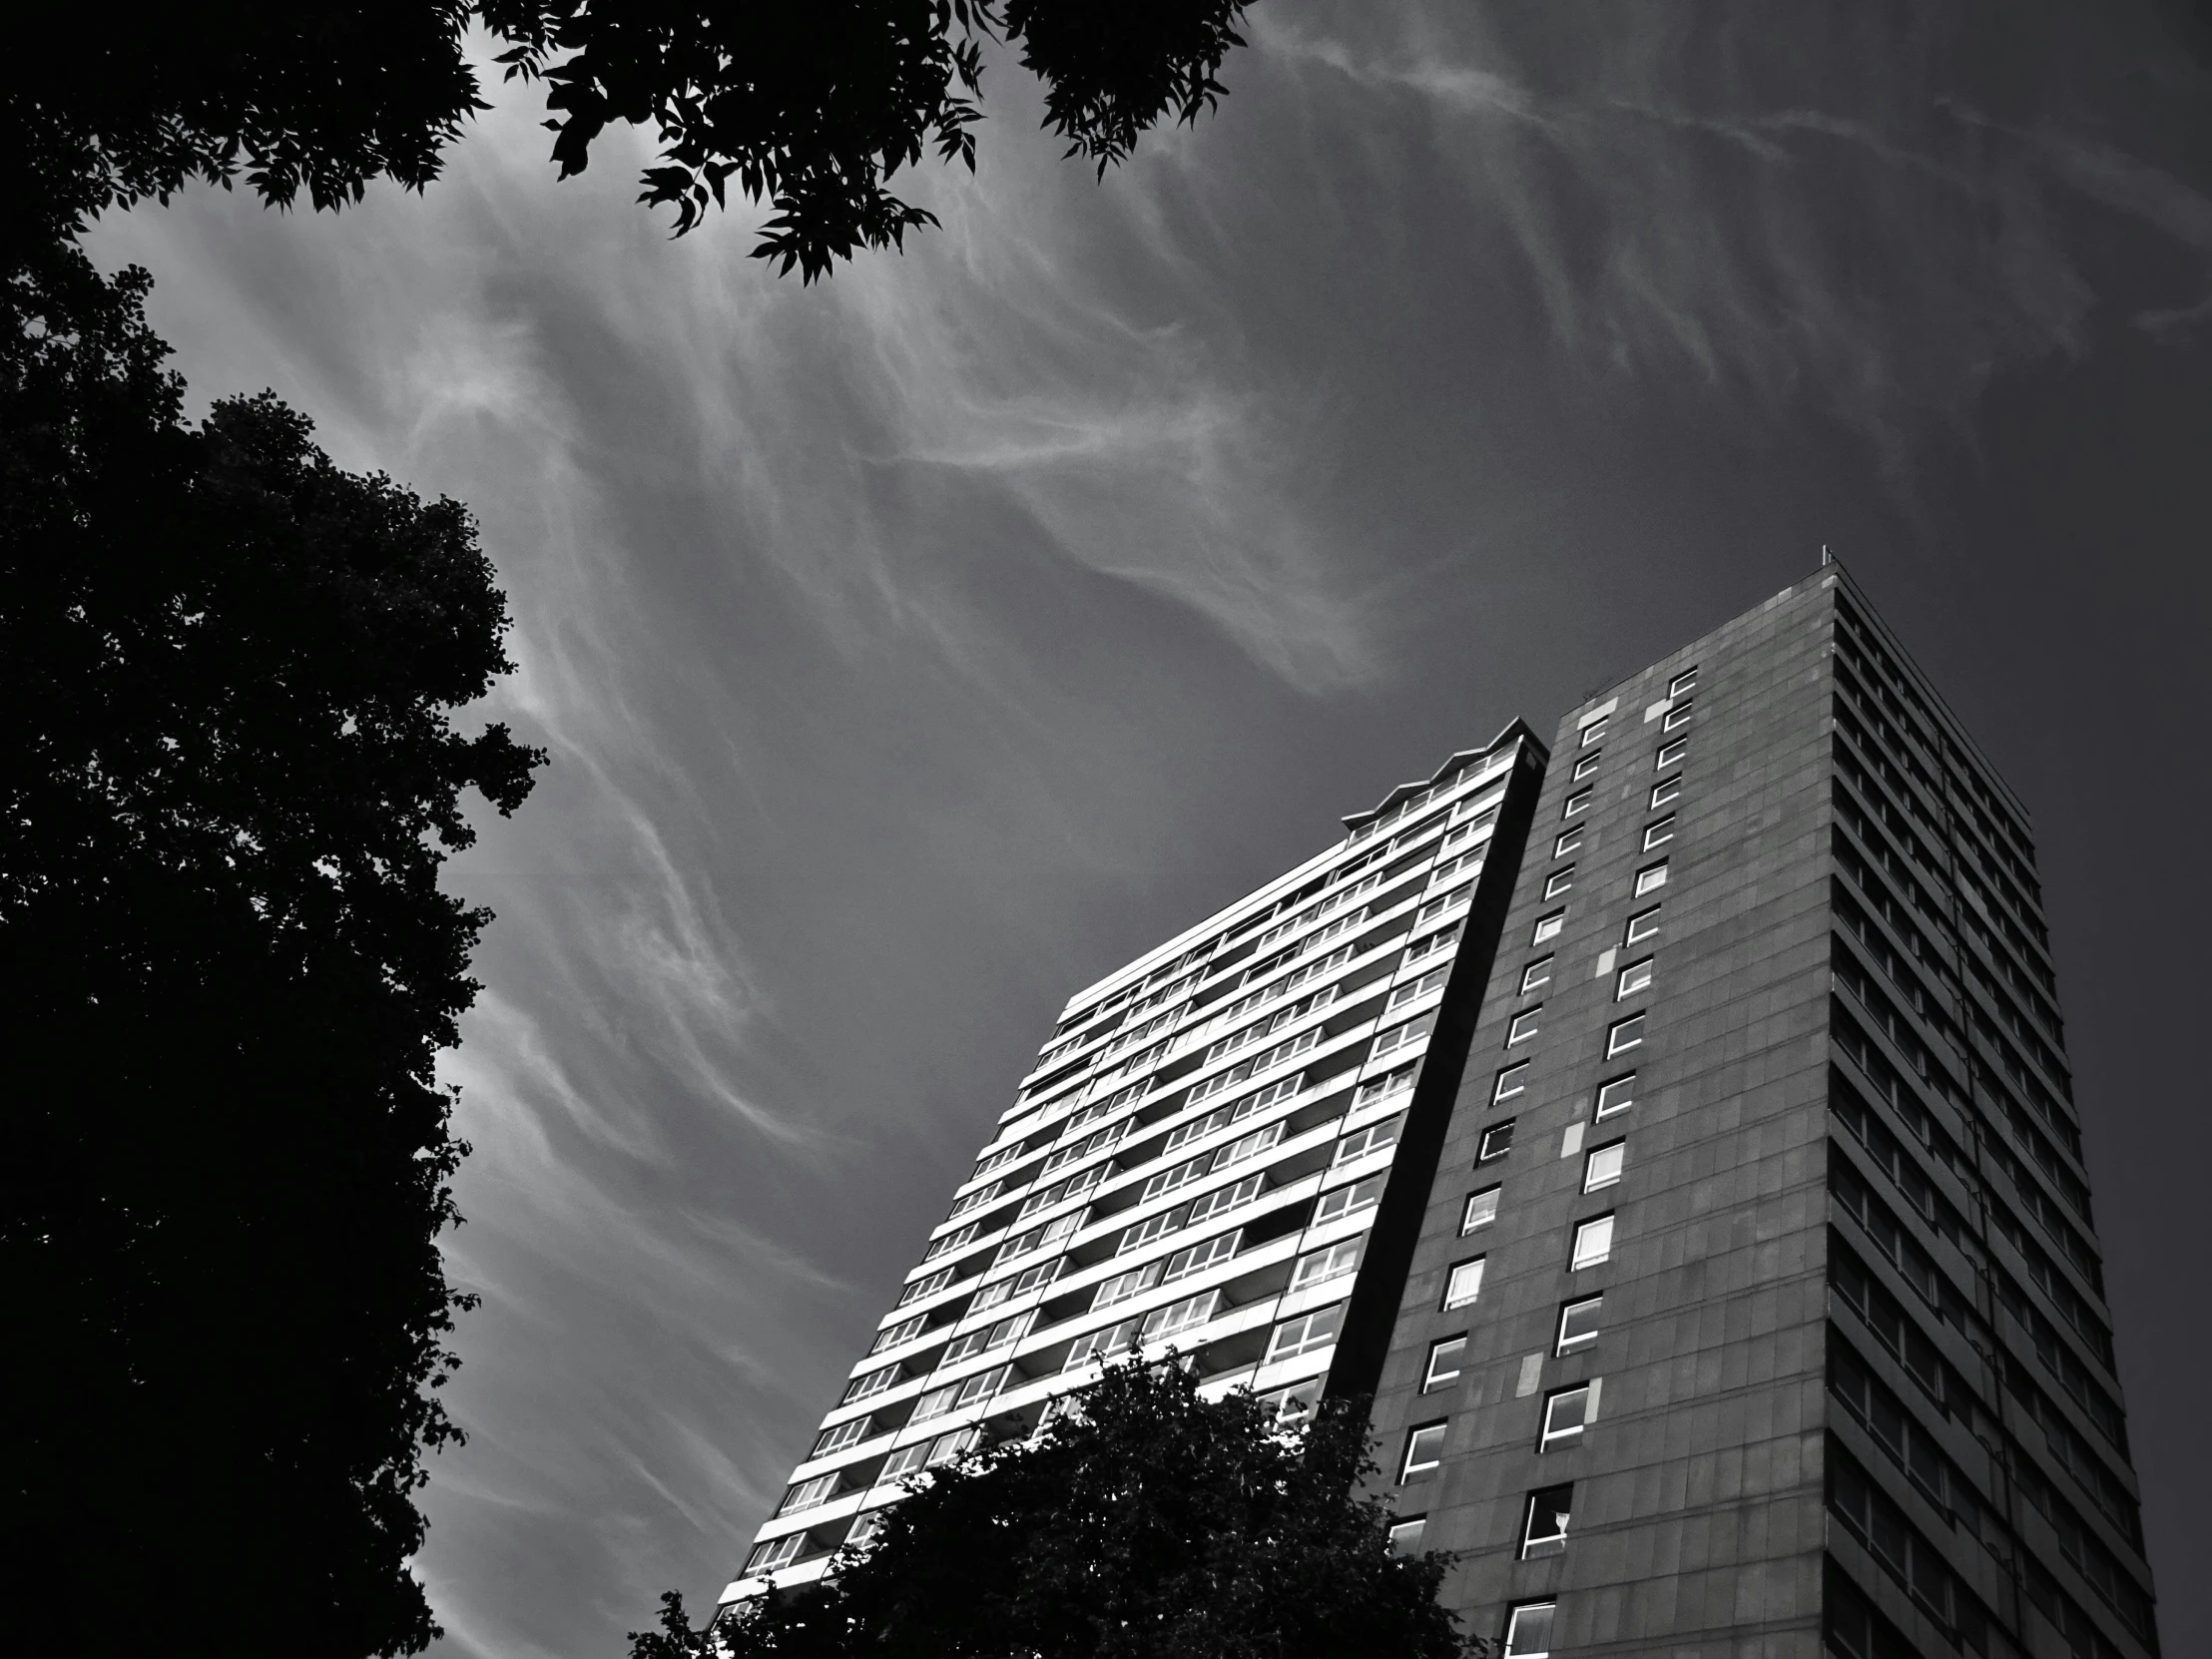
{"points": [[1151, 1523], [230, 778], [812, 108]]}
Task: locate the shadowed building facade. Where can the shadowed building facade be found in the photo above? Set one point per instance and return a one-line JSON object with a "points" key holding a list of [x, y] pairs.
{"points": [[1756, 1305], [1672, 1132]]}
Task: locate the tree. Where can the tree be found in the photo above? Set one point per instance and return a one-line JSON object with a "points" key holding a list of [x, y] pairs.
{"points": [[1148, 1523], [812, 107], [228, 775]]}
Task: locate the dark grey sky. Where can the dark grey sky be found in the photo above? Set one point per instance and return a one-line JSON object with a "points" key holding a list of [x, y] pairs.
{"points": [[915, 647]]}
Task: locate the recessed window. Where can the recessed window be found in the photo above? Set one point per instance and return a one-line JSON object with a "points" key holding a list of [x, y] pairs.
{"points": [[1641, 927], [1319, 1266], [1568, 842], [1651, 878], [1681, 682], [1670, 753], [1603, 1165], [1617, 1094], [1302, 1335], [1666, 790], [1497, 1141], [850, 1433], [1594, 731], [1544, 1531], [1445, 1360], [1481, 1209], [1558, 881], [1547, 928], [1405, 1536], [1587, 765], [1575, 802], [1536, 973], [1464, 1283], [1424, 1449], [1523, 1026], [1566, 1413], [1579, 1323], [1659, 833], [1633, 978], [775, 1554], [1510, 1083], [1593, 1243], [1677, 716], [1528, 1630], [1623, 1035]]}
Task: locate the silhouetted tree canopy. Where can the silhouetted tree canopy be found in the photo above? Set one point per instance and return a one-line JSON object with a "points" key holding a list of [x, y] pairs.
{"points": [[228, 775], [812, 107], [1151, 1525]]}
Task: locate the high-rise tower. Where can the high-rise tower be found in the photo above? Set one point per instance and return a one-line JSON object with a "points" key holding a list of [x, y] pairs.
{"points": [[1790, 1323], [1673, 1133]]}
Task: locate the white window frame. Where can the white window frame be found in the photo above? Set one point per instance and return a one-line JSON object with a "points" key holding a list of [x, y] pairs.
{"points": [[1566, 842], [1530, 978], [1511, 1080], [1593, 732], [1681, 682], [1550, 1437], [1666, 792], [1636, 976], [1593, 1243], [1558, 881], [1405, 1536], [1463, 1284], [1316, 1330], [1651, 879], [1523, 1025], [1604, 1165], [1625, 1034], [1561, 1343], [1577, 801], [1424, 1449], [1530, 1610], [1482, 1154], [1549, 927], [1671, 753], [1434, 1379], [1679, 715], [1636, 931], [1599, 1110], [1659, 832], [1470, 1220]]}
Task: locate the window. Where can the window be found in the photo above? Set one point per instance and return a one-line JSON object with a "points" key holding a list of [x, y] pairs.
{"points": [[843, 1434], [1463, 1284], [1659, 833], [1544, 1532], [808, 1494], [1578, 1323], [904, 1462], [1535, 973], [1179, 1317], [1510, 1083], [1338, 1202], [1424, 1449], [1681, 682], [1587, 765], [1547, 928], [1370, 1139], [1558, 881], [1617, 1094], [1481, 1209], [1593, 1243], [1523, 1026], [1666, 790], [982, 1342], [1677, 716], [1568, 842], [865, 1527], [1603, 1165], [925, 1286], [1405, 1535], [1623, 1035], [1565, 1412], [1398, 1036], [1445, 1360], [1633, 978], [950, 1448], [1671, 754], [871, 1382], [1198, 1258], [953, 1395], [1320, 1265], [1431, 980], [1302, 1335], [1497, 1141], [1285, 1407], [775, 1554], [1641, 927], [1592, 731], [1575, 802], [1123, 1286], [1528, 1630], [1651, 878]]}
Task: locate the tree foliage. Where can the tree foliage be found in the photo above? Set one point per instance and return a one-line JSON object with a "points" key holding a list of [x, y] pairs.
{"points": [[1152, 1524], [812, 108], [228, 775]]}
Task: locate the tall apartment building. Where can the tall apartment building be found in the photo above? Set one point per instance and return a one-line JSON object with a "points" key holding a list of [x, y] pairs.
{"points": [[1671, 1132], [1758, 1303]]}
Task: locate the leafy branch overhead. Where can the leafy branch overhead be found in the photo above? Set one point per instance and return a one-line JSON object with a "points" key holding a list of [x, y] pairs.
{"points": [[812, 109]]}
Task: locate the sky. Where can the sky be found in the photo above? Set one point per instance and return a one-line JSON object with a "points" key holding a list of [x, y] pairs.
{"points": [[914, 648]]}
